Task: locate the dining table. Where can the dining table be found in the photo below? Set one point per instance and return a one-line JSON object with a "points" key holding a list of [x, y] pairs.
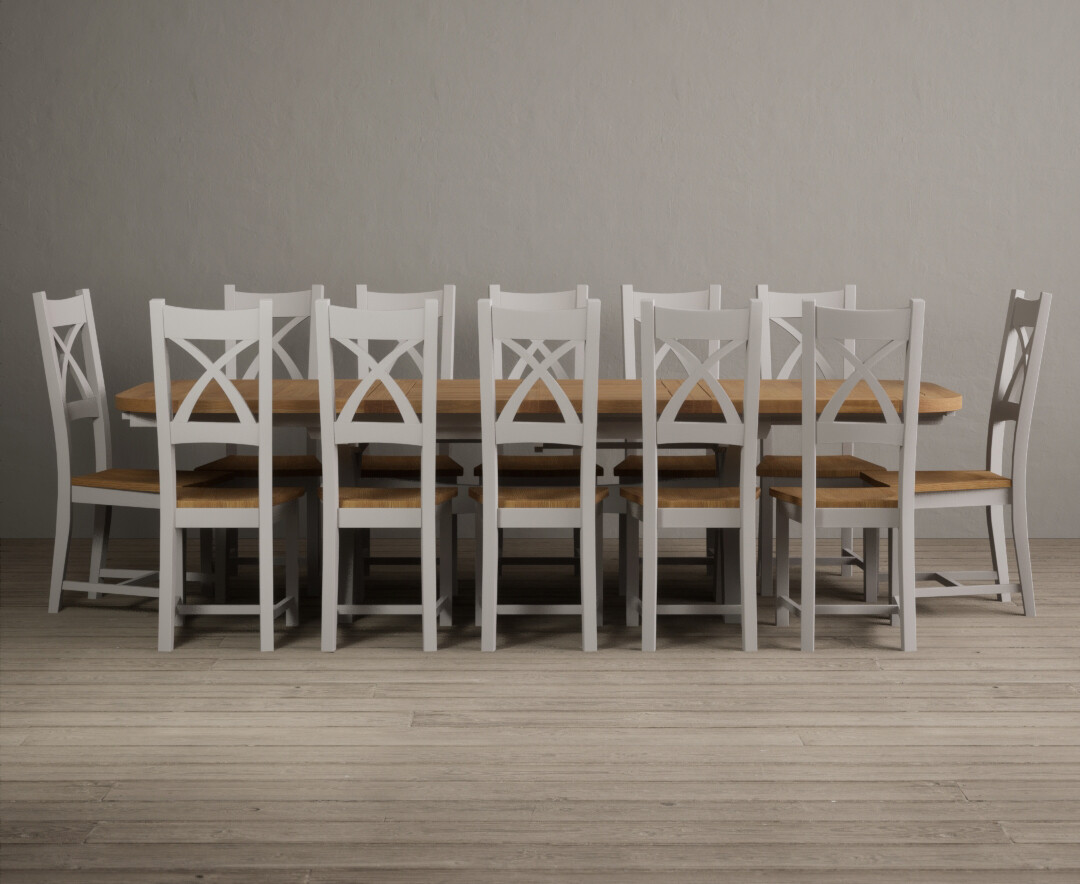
{"points": [[619, 423]]}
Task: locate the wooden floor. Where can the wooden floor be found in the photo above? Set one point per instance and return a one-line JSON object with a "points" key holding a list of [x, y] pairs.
{"points": [[958, 763]]}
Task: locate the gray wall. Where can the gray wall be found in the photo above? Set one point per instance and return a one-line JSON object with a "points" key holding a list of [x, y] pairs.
{"points": [[917, 149]]}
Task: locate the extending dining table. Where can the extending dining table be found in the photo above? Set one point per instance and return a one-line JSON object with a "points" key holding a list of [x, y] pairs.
{"points": [[296, 403]]}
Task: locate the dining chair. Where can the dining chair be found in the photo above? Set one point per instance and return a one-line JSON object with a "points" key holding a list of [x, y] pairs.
{"points": [[292, 314], [654, 505], [238, 332], [76, 394], [1012, 402], [686, 466], [540, 467], [405, 468], [393, 420], [539, 339], [782, 310], [834, 335]]}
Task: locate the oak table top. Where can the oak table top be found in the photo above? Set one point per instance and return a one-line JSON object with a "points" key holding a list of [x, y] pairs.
{"points": [[461, 396]]}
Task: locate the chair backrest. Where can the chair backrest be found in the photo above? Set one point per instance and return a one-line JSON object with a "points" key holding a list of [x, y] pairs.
{"points": [[1017, 378], [782, 307], [296, 309], [559, 331], [730, 333], [708, 299], [573, 299], [76, 387], [836, 333], [242, 334], [355, 422], [445, 299]]}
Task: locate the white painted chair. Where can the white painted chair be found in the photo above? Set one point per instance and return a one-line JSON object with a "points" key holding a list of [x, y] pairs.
{"points": [[406, 467], [292, 313], [686, 466], [1013, 401], [728, 333], [539, 339], [516, 468], [781, 311], [77, 393], [834, 335], [399, 466], [366, 507], [260, 508]]}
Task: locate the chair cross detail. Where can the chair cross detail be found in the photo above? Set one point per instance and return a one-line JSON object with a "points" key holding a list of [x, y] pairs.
{"points": [[796, 354], [66, 358], [861, 371], [541, 371], [290, 365], [698, 370], [214, 372], [374, 370]]}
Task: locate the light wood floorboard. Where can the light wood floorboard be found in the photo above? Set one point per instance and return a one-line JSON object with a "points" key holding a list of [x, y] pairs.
{"points": [[958, 764]]}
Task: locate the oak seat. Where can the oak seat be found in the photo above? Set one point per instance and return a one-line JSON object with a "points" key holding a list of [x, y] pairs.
{"points": [[232, 498], [247, 465], [394, 466], [687, 498], [540, 497], [830, 466], [841, 498], [532, 466], [929, 481], [695, 466], [146, 481], [388, 498]]}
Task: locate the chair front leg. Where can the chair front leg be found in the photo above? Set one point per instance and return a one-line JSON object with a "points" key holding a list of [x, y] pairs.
{"points": [[648, 581], [61, 542], [587, 569], [1023, 549], [632, 578], [99, 546], [446, 563], [428, 582], [995, 526], [490, 578], [808, 591], [292, 563], [599, 565], [266, 583], [748, 576], [871, 577], [170, 568], [767, 509], [330, 573], [783, 566]]}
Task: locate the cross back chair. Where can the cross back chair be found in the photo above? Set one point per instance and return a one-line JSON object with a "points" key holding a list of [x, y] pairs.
{"points": [[729, 333], [578, 505], [239, 332], [393, 419], [690, 467], [781, 311], [292, 313], [77, 394], [407, 467], [835, 334], [539, 469], [1012, 402]]}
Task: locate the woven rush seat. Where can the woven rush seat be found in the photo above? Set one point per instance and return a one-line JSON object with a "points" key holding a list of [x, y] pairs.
{"points": [[532, 466], [693, 466], [247, 465], [147, 481], [543, 497], [829, 466], [928, 481]]}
